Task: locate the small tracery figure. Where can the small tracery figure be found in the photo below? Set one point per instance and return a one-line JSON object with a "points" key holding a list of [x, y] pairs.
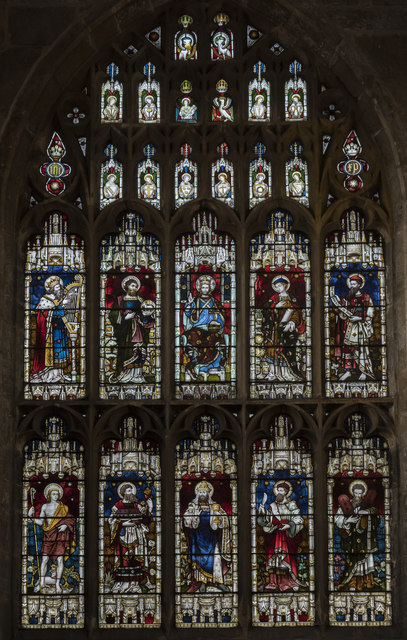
{"points": [[185, 41], [222, 186], [296, 186], [260, 187], [222, 109]]}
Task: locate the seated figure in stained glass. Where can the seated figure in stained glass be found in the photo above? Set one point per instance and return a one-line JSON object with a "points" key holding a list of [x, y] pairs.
{"points": [[204, 324]]}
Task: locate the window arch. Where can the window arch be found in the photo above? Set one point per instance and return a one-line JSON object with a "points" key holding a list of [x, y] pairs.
{"points": [[306, 205]]}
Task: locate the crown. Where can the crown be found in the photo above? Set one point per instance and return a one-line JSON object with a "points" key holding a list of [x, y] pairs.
{"points": [[185, 21], [221, 18], [222, 86], [186, 86]]}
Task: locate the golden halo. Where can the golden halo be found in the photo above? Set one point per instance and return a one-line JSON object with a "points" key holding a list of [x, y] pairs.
{"points": [[360, 482], [123, 485], [53, 487], [285, 482], [206, 486], [354, 275], [205, 278], [224, 175], [129, 279]]}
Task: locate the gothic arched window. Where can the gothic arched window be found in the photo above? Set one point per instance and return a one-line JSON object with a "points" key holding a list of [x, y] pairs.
{"points": [[217, 193]]}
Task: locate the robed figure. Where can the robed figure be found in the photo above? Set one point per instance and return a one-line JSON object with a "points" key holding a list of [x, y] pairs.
{"points": [[203, 337], [132, 319], [283, 324], [357, 520], [207, 530], [129, 522], [283, 522]]}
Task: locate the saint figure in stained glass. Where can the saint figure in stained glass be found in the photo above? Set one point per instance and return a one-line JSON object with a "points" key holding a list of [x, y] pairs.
{"points": [[186, 110], [112, 96], [149, 96], [282, 521], [206, 529], [355, 312], [259, 95], [185, 41], [222, 109], [130, 530], [223, 177], [130, 302], [53, 508], [221, 39], [55, 300], [296, 175], [205, 311], [111, 178], [295, 94], [280, 297], [186, 178], [259, 177], [359, 527], [148, 177]]}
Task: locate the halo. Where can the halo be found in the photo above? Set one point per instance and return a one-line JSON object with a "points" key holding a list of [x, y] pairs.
{"points": [[352, 276], [129, 279], [260, 173], [296, 173], [225, 175], [205, 278], [285, 482], [53, 487], [360, 482], [259, 96], [280, 277], [206, 486], [123, 485]]}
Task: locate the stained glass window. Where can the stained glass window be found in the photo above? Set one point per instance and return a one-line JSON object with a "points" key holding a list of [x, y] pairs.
{"points": [[355, 305], [186, 109], [148, 177], [296, 176], [111, 178], [280, 311], [221, 39], [205, 312], [149, 96], [111, 101], [223, 177], [259, 95], [222, 108], [130, 300], [185, 40], [282, 520], [186, 178], [206, 528], [296, 97], [54, 354], [259, 177], [53, 530], [130, 530], [359, 526]]}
